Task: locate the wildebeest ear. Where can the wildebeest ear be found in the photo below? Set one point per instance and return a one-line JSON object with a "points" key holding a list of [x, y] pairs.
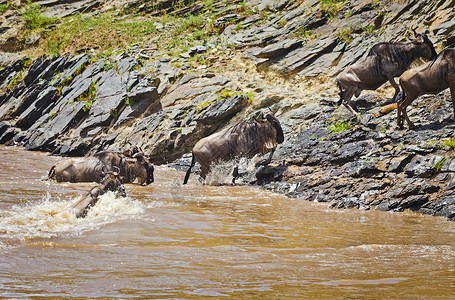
{"points": [[418, 40]]}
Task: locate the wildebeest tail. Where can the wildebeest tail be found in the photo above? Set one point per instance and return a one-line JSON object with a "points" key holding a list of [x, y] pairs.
{"points": [[51, 174], [187, 175], [399, 96]]}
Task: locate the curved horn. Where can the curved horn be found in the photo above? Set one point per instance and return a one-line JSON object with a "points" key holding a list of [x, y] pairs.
{"points": [[116, 169]]}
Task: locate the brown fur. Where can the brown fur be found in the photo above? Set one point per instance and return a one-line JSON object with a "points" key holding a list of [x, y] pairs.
{"points": [[243, 139], [430, 78], [89, 169], [384, 62]]}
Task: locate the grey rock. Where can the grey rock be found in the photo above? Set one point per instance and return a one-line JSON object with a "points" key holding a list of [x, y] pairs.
{"points": [[301, 58], [225, 19], [278, 49], [423, 166]]}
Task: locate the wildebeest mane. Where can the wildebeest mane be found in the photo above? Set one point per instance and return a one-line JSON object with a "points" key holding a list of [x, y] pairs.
{"points": [[253, 136], [402, 53]]}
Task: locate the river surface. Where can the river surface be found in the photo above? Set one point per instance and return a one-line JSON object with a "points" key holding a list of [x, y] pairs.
{"points": [[197, 242]]}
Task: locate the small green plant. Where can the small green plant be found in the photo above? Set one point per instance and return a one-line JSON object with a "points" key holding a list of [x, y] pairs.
{"points": [[203, 105], [331, 7], [52, 113], [250, 97], [53, 48], [339, 126], [33, 18], [4, 7], [438, 165], [14, 81], [88, 96], [303, 33], [108, 64], [66, 81], [128, 101], [282, 23], [345, 34], [369, 28], [450, 143], [113, 111], [224, 94]]}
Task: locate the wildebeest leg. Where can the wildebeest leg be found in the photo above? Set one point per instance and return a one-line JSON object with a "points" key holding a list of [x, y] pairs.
{"points": [[51, 174], [452, 94], [204, 170], [341, 94], [347, 100], [401, 111], [270, 156], [187, 175], [394, 84], [82, 206], [235, 174]]}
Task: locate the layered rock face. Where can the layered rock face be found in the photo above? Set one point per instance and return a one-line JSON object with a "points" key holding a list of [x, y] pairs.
{"points": [[78, 104]]}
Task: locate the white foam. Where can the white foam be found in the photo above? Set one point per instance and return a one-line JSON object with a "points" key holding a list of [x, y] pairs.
{"points": [[51, 217], [221, 172]]}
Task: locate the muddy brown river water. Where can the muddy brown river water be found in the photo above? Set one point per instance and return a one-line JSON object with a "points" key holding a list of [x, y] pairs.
{"points": [[196, 242]]}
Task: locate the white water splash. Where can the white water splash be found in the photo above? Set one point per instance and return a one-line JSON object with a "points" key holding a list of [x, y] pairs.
{"points": [[51, 217], [221, 173]]}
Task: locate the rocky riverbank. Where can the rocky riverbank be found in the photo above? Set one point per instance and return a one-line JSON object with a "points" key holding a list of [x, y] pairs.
{"points": [[281, 56]]}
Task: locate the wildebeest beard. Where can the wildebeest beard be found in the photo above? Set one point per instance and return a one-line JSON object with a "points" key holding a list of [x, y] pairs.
{"points": [[150, 170]]}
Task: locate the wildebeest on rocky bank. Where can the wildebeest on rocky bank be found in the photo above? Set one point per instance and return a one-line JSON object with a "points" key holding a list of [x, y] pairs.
{"points": [[383, 62], [430, 78], [244, 139], [92, 168]]}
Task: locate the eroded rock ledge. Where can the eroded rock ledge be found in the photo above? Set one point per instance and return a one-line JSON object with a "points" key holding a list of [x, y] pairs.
{"points": [[76, 104]]}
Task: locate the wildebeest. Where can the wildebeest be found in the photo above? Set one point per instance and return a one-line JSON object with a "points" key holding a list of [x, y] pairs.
{"points": [[383, 62], [88, 169], [111, 181], [243, 139], [430, 78]]}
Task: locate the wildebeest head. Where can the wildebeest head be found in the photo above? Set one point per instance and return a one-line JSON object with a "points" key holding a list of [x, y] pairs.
{"points": [[276, 123], [147, 165], [129, 152], [112, 181], [425, 46]]}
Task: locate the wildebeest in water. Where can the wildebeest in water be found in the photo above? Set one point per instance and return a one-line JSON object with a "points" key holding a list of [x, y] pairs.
{"points": [[88, 169], [111, 181], [383, 62], [244, 139]]}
